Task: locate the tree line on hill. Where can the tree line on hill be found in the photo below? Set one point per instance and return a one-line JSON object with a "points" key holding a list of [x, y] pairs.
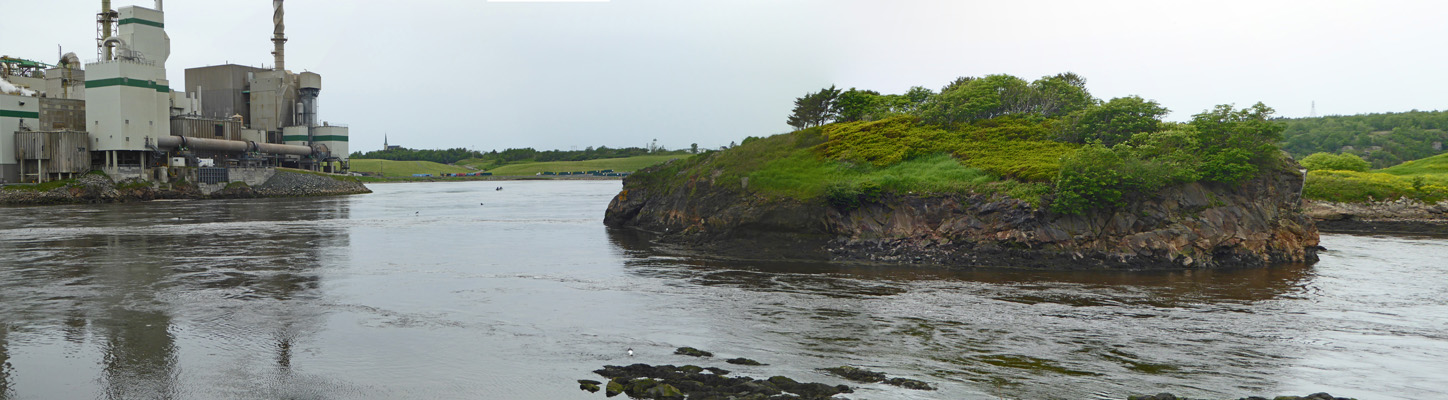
{"points": [[1383, 140]]}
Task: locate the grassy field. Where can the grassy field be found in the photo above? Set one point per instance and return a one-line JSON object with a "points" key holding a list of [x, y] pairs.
{"points": [[405, 168], [628, 164], [1424, 179]]}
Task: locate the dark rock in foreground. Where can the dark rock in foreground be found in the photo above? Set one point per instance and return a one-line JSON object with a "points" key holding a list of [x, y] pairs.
{"points": [[1196, 225], [1315, 396], [669, 382]]}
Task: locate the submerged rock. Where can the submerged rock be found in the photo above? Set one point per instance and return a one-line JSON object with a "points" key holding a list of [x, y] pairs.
{"points": [[590, 385], [743, 361], [669, 382], [909, 384], [690, 351], [856, 374]]}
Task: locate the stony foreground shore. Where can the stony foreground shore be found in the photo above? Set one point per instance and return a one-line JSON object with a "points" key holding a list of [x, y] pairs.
{"points": [[96, 188], [1387, 216]]}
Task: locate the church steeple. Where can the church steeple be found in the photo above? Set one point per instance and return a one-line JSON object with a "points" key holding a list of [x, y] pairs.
{"points": [[384, 141]]}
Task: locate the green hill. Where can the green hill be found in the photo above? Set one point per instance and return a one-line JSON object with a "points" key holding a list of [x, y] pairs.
{"points": [[395, 169], [626, 164], [1424, 180], [1384, 139]]}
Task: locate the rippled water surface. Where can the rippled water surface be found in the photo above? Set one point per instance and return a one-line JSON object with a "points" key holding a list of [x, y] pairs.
{"points": [[456, 290]]}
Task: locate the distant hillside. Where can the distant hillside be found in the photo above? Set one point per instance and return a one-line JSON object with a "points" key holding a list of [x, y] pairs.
{"points": [[626, 164], [1384, 140], [391, 168]]}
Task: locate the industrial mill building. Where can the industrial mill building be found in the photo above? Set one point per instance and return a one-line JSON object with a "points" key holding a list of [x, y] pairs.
{"points": [[120, 115]]}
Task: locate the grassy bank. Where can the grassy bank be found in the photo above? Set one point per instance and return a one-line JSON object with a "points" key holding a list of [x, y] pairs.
{"points": [[1424, 180], [852, 162], [405, 168], [626, 164]]}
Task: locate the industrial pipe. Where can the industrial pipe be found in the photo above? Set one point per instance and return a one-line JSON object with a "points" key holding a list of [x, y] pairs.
{"points": [[231, 146], [120, 44], [290, 149]]}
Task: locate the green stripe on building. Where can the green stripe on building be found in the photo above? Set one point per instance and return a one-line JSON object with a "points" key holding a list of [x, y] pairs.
{"points": [[319, 138], [140, 83], [142, 22], [19, 114]]}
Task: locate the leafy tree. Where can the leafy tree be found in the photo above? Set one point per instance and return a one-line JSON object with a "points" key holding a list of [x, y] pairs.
{"points": [[814, 109], [857, 105], [1117, 121], [1236, 142], [970, 99]]}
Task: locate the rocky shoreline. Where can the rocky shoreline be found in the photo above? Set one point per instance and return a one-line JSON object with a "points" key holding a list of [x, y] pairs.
{"points": [[1401, 216], [1197, 225], [644, 381], [97, 188]]}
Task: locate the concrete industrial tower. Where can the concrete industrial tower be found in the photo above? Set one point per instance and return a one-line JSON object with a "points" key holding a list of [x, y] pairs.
{"points": [[127, 96]]}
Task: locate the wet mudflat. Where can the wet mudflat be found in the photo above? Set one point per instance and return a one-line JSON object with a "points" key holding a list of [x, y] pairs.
{"points": [[456, 290]]}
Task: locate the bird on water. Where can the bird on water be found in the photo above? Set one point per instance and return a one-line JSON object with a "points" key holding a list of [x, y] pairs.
{"points": [[630, 352]]}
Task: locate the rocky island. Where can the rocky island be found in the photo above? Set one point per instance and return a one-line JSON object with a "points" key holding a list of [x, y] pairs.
{"points": [[991, 171]]}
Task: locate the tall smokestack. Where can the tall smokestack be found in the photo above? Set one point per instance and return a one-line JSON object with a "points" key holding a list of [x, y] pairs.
{"points": [[105, 21], [279, 37]]}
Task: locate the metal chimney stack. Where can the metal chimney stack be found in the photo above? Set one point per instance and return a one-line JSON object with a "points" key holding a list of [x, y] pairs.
{"points": [[279, 37]]}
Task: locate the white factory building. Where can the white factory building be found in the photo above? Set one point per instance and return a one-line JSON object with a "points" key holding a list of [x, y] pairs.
{"points": [[120, 114]]}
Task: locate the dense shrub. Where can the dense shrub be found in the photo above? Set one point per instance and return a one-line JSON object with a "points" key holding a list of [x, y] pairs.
{"points": [[1335, 162]]}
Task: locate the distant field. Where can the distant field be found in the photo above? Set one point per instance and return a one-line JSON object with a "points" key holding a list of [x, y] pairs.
{"points": [[628, 164], [405, 168]]}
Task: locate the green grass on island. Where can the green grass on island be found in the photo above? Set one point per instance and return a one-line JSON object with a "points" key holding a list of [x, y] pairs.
{"points": [[626, 164], [1424, 180], [1047, 142]]}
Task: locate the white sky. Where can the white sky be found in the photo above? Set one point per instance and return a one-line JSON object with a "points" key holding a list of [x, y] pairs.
{"points": [[495, 75]]}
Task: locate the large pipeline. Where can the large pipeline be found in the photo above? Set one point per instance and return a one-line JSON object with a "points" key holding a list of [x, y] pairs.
{"points": [[231, 146]]}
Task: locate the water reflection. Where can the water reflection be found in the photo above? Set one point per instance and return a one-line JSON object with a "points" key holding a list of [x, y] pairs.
{"points": [[4, 360], [122, 277], [1005, 332]]}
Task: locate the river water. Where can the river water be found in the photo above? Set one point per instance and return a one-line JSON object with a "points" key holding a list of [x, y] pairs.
{"points": [[457, 290]]}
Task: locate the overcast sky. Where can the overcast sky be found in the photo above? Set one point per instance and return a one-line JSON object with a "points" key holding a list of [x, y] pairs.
{"points": [[495, 75]]}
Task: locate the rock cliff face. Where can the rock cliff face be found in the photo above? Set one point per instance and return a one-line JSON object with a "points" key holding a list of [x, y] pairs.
{"points": [[1188, 226]]}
